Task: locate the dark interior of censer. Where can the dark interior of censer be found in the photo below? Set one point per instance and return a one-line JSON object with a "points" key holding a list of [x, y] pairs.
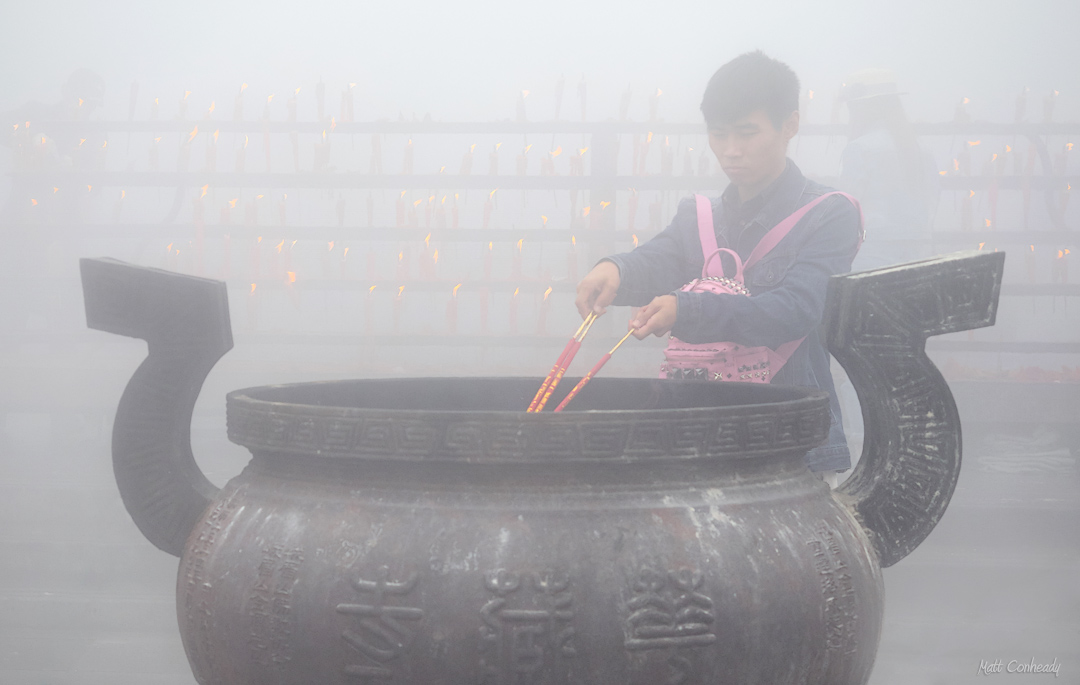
{"points": [[515, 394]]}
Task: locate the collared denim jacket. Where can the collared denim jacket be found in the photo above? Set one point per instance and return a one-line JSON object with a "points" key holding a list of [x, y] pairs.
{"points": [[787, 287]]}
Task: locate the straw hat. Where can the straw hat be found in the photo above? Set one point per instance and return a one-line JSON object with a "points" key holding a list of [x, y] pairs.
{"points": [[869, 83]]}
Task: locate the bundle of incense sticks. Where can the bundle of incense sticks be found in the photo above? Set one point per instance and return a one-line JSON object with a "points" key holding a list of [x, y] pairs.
{"points": [[561, 364], [584, 381]]}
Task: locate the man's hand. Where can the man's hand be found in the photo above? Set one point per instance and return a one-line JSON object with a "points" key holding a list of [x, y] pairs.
{"points": [[597, 290], [656, 318]]}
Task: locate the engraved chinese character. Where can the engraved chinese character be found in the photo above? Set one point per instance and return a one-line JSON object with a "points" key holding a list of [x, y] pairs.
{"points": [[518, 639], [383, 633], [669, 611]]}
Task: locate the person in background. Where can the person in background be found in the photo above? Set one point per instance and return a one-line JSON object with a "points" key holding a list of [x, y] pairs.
{"points": [[886, 169], [751, 110]]}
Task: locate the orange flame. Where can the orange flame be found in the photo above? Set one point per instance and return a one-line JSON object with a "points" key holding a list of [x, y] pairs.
{"points": [[604, 204], [981, 245], [1008, 148], [516, 290], [456, 289], [371, 289], [400, 289], [527, 148], [573, 241], [1061, 254], [330, 247], [811, 95], [585, 211], [243, 87], [634, 236], [581, 151], [252, 288], [988, 223], [427, 240], [194, 132], [417, 203], [33, 202], [435, 257], [291, 275], [544, 218], [1032, 247], [211, 107], [1069, 146], [269, 98], [333, 123], [216, 132], [491, 245], [345, 254], [557, 151], [168, 248], [401, 255], [520, 241], [186, 94], [971, 194], [280, 245], [324, 135], [205, 189], [973, 143], [649, 138], [491, 195], [547, 292], [232, 203]]}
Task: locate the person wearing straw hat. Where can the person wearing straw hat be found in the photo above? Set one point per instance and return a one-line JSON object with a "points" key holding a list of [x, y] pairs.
{"points": [[886, 169], [751, 110]]}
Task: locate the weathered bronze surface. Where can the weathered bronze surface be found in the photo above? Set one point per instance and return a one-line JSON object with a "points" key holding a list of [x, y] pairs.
{"points": [[431, 531]]}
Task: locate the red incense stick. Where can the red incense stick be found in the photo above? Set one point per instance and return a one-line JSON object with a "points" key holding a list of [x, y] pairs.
{"points": [[585, 381], [565, 365], [558, 364]]}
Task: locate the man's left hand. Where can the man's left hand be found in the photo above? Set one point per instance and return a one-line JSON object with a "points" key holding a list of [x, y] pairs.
{"points": [[655, 318]]}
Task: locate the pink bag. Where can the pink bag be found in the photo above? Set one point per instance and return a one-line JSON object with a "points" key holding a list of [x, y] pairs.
{"points": [[725, 361]]}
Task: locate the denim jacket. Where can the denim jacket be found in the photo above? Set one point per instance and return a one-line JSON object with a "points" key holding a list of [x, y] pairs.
{"points": [[787, 287]]}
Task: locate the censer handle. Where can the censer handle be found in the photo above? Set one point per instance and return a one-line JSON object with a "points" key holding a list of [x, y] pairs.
{"points": [[878, 322], [185, 322]]}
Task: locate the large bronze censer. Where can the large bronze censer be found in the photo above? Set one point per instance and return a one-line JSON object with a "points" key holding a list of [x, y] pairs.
{"points": [[430, 531]]}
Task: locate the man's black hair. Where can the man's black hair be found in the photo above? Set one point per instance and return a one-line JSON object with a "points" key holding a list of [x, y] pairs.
{"points": [[750, 81]]}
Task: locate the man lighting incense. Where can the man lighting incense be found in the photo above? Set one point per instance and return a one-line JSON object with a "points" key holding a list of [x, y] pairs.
{"points": [[752, 311]]}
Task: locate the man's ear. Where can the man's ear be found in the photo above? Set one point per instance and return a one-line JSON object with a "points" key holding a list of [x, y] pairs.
{"points": [[790, 128]]}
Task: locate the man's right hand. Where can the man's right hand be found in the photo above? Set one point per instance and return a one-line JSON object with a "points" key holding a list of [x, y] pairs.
{"points": [[597, 290]]}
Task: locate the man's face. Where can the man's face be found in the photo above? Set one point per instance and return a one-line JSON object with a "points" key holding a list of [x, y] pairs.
{"points": [[751, 149]]}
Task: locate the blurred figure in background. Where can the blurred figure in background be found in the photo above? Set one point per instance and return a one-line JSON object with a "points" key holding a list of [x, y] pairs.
{"points": [[886, 169]]}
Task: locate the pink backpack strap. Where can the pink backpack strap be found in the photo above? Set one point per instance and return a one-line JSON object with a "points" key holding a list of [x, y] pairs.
{"points": [[707, 237], [780, 231]]}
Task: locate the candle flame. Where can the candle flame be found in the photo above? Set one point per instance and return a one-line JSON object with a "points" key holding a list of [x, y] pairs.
{"points": [[401, 255], [280, 245], [205, 189], [544, 219], [212, 104], [973, 143], [372, 289], [330, 246], [1032, 247], [659, 92], [557, 151], [491, 195], [524, 94], [604, 204], [456, 289], [81, 140], [232, 203], [103, 145], [417, 203], [435, 257], [292, 244], [573, 241], [216, 132], [585, 211], [352, 85], [942, 173], [1008, 148], [345, 254], [648, 139], [956, 165], [259, 197], [243, 87], [89, 188], [547, 292], [971, 194], [491, 245], [123, 193], [168, 248], [427, 240], [1069, 146], [519, 242], [811, 95], [994, 157], [33, 202], [291, 275], [1061, 254], [55, 189], [157, 101], [516, 291], [471, 148], [158, 139], [967, 100], [981, 245], [269, 98], [333, 123], [258, 239], [634, 237], [252, 289], [988, 223], [527, 148], [186, 94], [581, 151], [400, 289], [296, 92], [497, 146], [194, 132]]}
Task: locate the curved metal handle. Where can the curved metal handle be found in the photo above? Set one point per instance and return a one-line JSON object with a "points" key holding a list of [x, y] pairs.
{"points": [[878, 322], [185, 322]]}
